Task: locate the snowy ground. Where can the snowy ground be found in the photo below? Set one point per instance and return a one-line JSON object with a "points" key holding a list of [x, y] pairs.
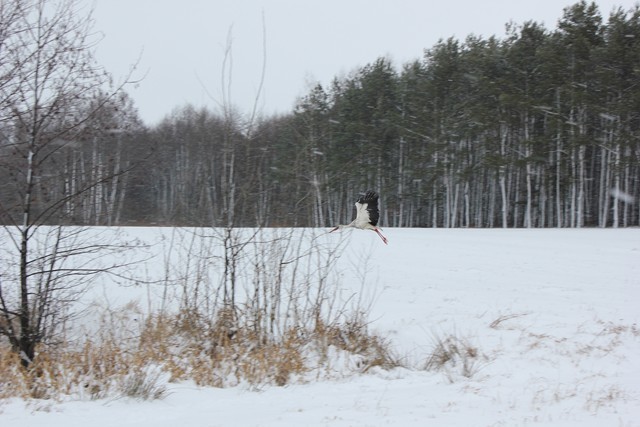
{"points": [[552, 313]]}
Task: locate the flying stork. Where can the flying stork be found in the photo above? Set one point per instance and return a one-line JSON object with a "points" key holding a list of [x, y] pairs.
{"points": [[367, 214]]}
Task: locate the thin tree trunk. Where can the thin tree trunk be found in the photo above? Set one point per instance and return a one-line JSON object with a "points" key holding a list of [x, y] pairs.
{"points": [[581, 187], [616, 186]]}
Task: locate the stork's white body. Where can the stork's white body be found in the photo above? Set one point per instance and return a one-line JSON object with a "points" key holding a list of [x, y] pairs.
{"points": [[367, 215], [362, 220]]}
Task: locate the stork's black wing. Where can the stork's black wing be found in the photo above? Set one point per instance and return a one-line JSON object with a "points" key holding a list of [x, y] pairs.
{"points": [[370, 198]]}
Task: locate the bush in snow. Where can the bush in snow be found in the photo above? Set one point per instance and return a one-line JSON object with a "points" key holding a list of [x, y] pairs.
{"points": [[455, 356]]}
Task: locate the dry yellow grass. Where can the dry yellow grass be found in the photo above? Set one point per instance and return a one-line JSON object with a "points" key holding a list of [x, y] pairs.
{"points": [[220, 352]]}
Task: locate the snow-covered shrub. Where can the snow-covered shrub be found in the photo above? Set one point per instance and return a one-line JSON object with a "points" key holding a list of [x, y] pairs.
{"points": [[455, 356], [254, 307], [144, 383]]}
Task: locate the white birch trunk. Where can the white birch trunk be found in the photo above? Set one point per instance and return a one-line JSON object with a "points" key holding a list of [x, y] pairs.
{"points": [[503, 180], [527, 211], [581, 179], [467, 206], [603, 189], [434, 210], [400, 216], [616, 185], [559, 147]]}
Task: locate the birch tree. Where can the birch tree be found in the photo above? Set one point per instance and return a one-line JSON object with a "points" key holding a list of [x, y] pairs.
{"points": [[49, 95]]}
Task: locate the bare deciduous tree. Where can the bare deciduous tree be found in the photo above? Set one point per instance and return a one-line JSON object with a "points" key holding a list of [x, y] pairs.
{"points": [[51, 92]]}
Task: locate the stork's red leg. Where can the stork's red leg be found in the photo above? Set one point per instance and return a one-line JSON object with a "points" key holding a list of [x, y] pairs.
{"points": [[384, 239]]}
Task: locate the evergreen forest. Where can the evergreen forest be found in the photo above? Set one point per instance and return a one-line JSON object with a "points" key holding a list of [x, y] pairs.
{"points": [[536, 128]]}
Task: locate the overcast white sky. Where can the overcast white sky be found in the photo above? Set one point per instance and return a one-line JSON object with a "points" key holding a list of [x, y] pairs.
{"points": [[181, 43]]}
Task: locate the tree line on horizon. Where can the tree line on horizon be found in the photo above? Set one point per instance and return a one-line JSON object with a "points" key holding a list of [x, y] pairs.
{"points": [[539, 128]]}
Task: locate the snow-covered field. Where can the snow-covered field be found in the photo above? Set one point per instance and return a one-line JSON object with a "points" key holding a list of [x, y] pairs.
{"points": [[552, 316]]}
